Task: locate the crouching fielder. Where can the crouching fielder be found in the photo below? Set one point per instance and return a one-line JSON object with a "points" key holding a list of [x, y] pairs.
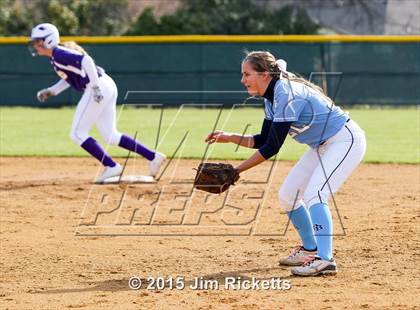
{"points": [[299, 108], [97, 105]]}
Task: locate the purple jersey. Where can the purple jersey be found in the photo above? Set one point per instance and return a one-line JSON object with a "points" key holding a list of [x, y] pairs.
{"points": [[67, 64]]}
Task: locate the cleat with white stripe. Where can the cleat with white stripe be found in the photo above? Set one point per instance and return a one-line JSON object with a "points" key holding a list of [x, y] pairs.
{"points": [[297, 257], [315, 266]]}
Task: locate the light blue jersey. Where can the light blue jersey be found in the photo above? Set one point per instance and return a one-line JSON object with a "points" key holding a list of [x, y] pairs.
{"points": [[314, 119]]}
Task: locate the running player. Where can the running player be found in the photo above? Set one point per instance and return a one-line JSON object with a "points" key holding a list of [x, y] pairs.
{"points": [[97, 105], [299, 108]]}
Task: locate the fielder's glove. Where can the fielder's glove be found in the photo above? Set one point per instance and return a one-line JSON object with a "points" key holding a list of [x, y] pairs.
{"points": [[44, 94], [215, 178], [97, 94]]}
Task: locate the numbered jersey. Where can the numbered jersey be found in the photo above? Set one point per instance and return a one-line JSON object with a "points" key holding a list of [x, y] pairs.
{"points": [[67, 63], [314, 118]]}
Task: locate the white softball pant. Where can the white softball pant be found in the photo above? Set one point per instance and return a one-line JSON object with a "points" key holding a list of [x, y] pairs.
{"points": [[103, 114], [322, 171]]}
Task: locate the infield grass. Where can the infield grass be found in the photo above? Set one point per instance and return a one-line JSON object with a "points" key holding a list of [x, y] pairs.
{"points": [[393, 134]]}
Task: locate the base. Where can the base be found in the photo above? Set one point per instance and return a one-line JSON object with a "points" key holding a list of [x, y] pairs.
{"points": [[129, 179]]}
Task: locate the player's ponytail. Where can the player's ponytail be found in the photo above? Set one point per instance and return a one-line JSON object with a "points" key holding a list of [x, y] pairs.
{"points": [[74, 46], [319, 90]]}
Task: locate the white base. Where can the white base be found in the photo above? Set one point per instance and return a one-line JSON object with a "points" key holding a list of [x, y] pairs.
{"points": [[130, 179]]}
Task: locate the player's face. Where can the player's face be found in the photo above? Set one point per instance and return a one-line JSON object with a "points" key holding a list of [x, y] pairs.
{"points": [[38, 45], [255, 82]]}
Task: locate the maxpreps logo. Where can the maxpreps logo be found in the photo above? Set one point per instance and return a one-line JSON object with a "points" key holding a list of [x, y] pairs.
{"points": [[172, 206]]}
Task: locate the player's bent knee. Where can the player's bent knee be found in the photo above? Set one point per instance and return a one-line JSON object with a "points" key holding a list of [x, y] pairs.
{"points": [[286, 200], [78, 137], [314, 197], [112, 138]]}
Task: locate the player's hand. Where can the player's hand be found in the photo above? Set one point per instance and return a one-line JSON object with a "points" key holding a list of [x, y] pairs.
{"points": [[44, 94], [218, 136], [97, 94]]}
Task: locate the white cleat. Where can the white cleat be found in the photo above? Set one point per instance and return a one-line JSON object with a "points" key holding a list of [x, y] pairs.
{"points": [[156, 163], [109, 172], [297, 257], [315, 266]]}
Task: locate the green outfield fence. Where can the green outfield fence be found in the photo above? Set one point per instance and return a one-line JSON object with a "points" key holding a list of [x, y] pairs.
{"points": [[206, 69]]}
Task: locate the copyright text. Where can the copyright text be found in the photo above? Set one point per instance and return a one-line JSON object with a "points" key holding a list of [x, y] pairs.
{"points": [[201, 283]]}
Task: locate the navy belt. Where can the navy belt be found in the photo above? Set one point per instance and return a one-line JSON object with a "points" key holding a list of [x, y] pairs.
{"points": [[323, 142]]}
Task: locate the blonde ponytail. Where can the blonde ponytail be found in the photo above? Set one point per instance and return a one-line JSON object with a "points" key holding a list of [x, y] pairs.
{"points": [[316, 88], [74, 46]]}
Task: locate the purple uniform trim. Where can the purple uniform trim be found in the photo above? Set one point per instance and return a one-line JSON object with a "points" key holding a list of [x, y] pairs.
{"points": [[67, 63], [95, 149], [132, 145]]}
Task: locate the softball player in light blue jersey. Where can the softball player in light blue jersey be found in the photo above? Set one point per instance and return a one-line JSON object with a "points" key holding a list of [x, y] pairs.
{"points": [[299, 108], [97, 105]]}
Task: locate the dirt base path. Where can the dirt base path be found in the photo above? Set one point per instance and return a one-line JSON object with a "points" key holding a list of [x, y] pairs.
{"points": [[68, 244]]}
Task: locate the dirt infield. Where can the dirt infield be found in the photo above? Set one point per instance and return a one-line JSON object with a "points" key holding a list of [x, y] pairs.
{"points": [[68, 244]]}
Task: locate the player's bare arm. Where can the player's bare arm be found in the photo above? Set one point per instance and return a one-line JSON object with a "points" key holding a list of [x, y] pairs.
{"points": [[220, 136]]}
